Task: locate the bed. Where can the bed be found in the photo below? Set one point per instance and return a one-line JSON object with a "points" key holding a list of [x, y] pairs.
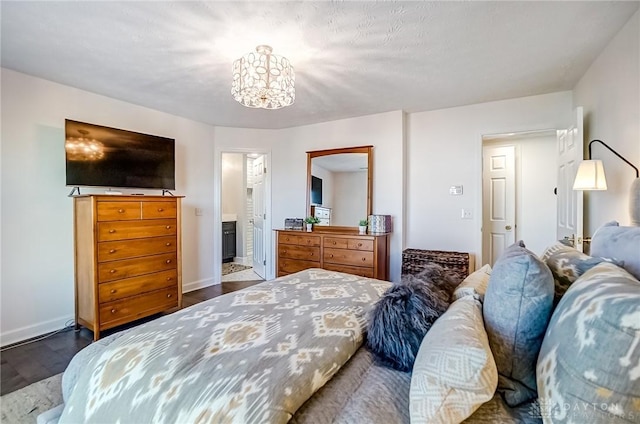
{"points": [[252, 356]]}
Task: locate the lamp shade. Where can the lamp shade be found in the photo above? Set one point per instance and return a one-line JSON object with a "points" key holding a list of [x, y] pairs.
{"points": [[590, 176]]}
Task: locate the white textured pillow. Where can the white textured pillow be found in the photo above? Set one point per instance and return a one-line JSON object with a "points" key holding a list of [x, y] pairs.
{"points": [[476, 282], [454, 372]]}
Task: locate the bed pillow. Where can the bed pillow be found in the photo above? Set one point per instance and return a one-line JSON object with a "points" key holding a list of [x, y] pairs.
{"points": [[517, 308], [403, 315], [454, 372], [566, 265], [588, 369], [621, 244], [475, 284]]}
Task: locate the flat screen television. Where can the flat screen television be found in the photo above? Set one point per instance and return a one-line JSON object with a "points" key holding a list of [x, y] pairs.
{"points": [[109, 157], [316, 190]]}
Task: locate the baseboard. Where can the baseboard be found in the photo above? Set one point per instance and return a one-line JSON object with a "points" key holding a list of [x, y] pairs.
{"points": [[243, 260], [197, 285], [35, 330]]}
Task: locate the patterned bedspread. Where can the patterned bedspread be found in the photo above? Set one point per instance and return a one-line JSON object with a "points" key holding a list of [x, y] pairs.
{"points": [[252, 356]]}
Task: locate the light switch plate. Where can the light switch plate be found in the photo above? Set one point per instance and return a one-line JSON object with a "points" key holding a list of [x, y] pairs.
{"points": [[198, 211], [467, 214], [455, 190]]}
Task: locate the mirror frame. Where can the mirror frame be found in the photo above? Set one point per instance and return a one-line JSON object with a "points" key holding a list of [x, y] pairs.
{"points": [[359, 149]]}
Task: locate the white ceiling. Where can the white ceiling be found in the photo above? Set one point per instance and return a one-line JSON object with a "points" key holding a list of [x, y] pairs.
{"points": [[350, 58]]}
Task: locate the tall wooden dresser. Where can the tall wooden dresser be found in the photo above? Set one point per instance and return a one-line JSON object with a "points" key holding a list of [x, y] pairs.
{"points": [[127, 258], [360, 254]]}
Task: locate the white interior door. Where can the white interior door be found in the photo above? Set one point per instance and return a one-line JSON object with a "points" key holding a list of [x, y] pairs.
{"points": [[259, 216], [570, 202], [498, 201]]}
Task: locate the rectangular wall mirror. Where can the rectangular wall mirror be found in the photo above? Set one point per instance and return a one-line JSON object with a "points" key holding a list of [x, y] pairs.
{"points": [[339, 186]]}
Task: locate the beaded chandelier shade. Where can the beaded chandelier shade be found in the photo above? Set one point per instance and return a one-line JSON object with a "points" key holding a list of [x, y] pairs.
{"points": [[263, 80]]}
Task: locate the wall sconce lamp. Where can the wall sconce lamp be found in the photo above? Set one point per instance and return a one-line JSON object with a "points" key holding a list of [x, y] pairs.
{"points": [[590, 176]]}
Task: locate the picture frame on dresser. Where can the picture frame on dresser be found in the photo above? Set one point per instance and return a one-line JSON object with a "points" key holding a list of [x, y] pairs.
{"points": [[127, 258]]}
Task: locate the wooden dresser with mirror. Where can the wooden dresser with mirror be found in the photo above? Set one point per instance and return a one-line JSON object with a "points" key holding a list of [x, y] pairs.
{"points": [[127, 258], [339, 181]]}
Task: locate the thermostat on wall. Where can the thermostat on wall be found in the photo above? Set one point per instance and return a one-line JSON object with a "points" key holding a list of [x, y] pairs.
{"points": [[455, 190]]}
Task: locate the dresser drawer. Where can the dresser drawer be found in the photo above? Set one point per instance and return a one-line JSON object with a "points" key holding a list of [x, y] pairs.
{"points": [[114, 290], [108, 231], [337, 242], [348, 257], [355, 270], [299, 252], [289, 266], [299, 239], [123, 249], [118, 211], [322, 213], [117, 270], [129, 309], [156, 210], [360, 244], [305, 240]]}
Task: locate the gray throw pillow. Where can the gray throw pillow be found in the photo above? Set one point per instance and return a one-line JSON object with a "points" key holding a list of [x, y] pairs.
{"points": [[622, 244], [517, 309]]}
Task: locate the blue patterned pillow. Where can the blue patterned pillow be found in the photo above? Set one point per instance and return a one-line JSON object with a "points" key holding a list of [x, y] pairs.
{"points": [[517, 308], [567, 264], [589, 364]]}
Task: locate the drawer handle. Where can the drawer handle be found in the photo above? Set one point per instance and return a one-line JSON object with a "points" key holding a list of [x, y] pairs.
{"points": [[311, 254], [113, 291], [120, 210], [112, 231], [169, 295], [364, 259], [334, 243], [112, 271], [359, 244], [284, 252], [160, 210], [331, 255], [167, 244], [113, 311], [168, 227], [169, 261], [112, 251], [169, 278]]}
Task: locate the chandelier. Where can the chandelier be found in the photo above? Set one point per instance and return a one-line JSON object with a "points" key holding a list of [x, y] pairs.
{"points": [[83, 147], [263, 80]]}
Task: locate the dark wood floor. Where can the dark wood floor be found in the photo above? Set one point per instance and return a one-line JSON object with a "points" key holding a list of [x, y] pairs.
{"points": [[23, 365]]}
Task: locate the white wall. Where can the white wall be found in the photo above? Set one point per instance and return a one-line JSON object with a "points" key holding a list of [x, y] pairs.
{"points": [[350, 198], [444, 148], [37, 216], [610, 94]]}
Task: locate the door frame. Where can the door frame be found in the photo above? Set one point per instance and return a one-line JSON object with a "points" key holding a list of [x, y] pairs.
{"points": [[479, 185], [217, 210]]}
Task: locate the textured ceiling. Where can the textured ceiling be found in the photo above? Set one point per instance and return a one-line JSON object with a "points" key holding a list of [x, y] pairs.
{"points": [[351, 58]]}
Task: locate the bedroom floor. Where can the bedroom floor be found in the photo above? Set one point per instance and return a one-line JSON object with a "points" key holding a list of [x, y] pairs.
{"points": [[23, 365]]}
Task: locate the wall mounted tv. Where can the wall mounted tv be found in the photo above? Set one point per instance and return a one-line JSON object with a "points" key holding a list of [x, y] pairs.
{"points": [[109, 157], [316, 190]]}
